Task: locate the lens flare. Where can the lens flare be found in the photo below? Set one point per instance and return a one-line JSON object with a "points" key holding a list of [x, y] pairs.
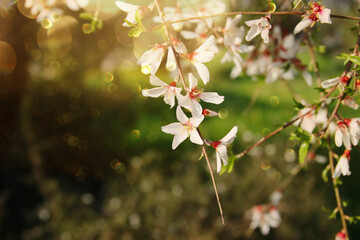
{"points": [[270, 7], [55, 41], [146, 69], [46, 23], [7, 58]]}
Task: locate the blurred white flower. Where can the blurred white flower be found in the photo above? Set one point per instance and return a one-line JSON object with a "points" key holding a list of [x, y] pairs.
{"points": [[131, 9], [264, 218], [260, 26], [152, 58]]}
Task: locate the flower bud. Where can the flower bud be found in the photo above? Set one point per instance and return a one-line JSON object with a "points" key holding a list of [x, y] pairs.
{"points": [[209, 113]]}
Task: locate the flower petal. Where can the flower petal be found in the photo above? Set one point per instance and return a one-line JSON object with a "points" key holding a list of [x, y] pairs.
{"points": [[253, 32], [195, 137], [126, 7], [229, 138], [193, 82], [203, 72], [172, 128], [324, 16], [156, 81], [196, 120], [180, 115], [304, 23], [211, 97], [179, 137], [154, 92], [330, 82]]}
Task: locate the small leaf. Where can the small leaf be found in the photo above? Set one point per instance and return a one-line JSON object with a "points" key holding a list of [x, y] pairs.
{"points": [[304, 147], [325, 172], [86, 16], [333, 214]]}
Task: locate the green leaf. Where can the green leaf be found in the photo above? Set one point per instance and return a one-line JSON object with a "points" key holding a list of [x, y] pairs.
{"points": [[349, 91], [86, 16], [304, 147], [333, 214], [135, 32], [229, 167], [137, 28], [325, 172]]}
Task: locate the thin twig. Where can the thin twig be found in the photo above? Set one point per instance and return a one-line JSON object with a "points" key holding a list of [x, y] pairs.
{"points": [[248, 13], [336, 189], [214, 184]]}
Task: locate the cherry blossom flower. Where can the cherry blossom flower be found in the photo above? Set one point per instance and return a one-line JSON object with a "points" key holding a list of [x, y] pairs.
{"points": [[265, 219], [200, 33], [354, 130], [316, 13], [151, 59], [184, 128], [276, 197], [131, 9], [308, 122], [341, 236], [221, 148], [204, 53], [342, 167], [169, 91], [194, 95], [260, 26], [333, 81], [42, 11], [342, 135]]}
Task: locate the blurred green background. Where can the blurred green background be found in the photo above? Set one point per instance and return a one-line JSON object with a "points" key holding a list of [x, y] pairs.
{"points": [[83, 156]]}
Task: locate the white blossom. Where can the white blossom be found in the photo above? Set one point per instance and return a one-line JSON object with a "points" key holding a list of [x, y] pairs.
{"points": [[184, 128], [265, 218], [194, 95], [342, 135], [76, 5], [131, 9], [152, 58], [316, 13], [169, 91], [260, 26], [221, 148], [342, 167]]}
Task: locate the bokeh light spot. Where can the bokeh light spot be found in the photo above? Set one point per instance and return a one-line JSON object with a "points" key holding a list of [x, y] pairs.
{"points": [[135, 134], [46, 23], [86, 28], [265, 165], [270, 6], [24, 10], [55, 41], [73, 141], [112, 88], [289, 155], [108, 77], [146, 69], [223, 113], [274, 101], [7, 58]]}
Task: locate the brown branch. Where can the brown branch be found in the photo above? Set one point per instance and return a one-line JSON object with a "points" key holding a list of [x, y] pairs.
{"points": [[336, 189], [248, 13]]}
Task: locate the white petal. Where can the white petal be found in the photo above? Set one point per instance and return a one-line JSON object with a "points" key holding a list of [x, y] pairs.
{"points": [[154, 92], [304, 23], [324, 16], [171, 61], [193, 82], [205, 56], [195, 107], [265, 35], [172, 128], [264, 228], [196, 120], [346, 139], [189, 35], [222, 150], [330, 82], [206, 45], [218, 162], [308, 78], [309, 123], [250, 23], [229, 138], [253, 32], [342, 167], [179, 137], [180, 115], [338, 137], [211, 97], [202, 71], [72, 5], [195, 137], [126, 7], [169, 98], [156, 81]]}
